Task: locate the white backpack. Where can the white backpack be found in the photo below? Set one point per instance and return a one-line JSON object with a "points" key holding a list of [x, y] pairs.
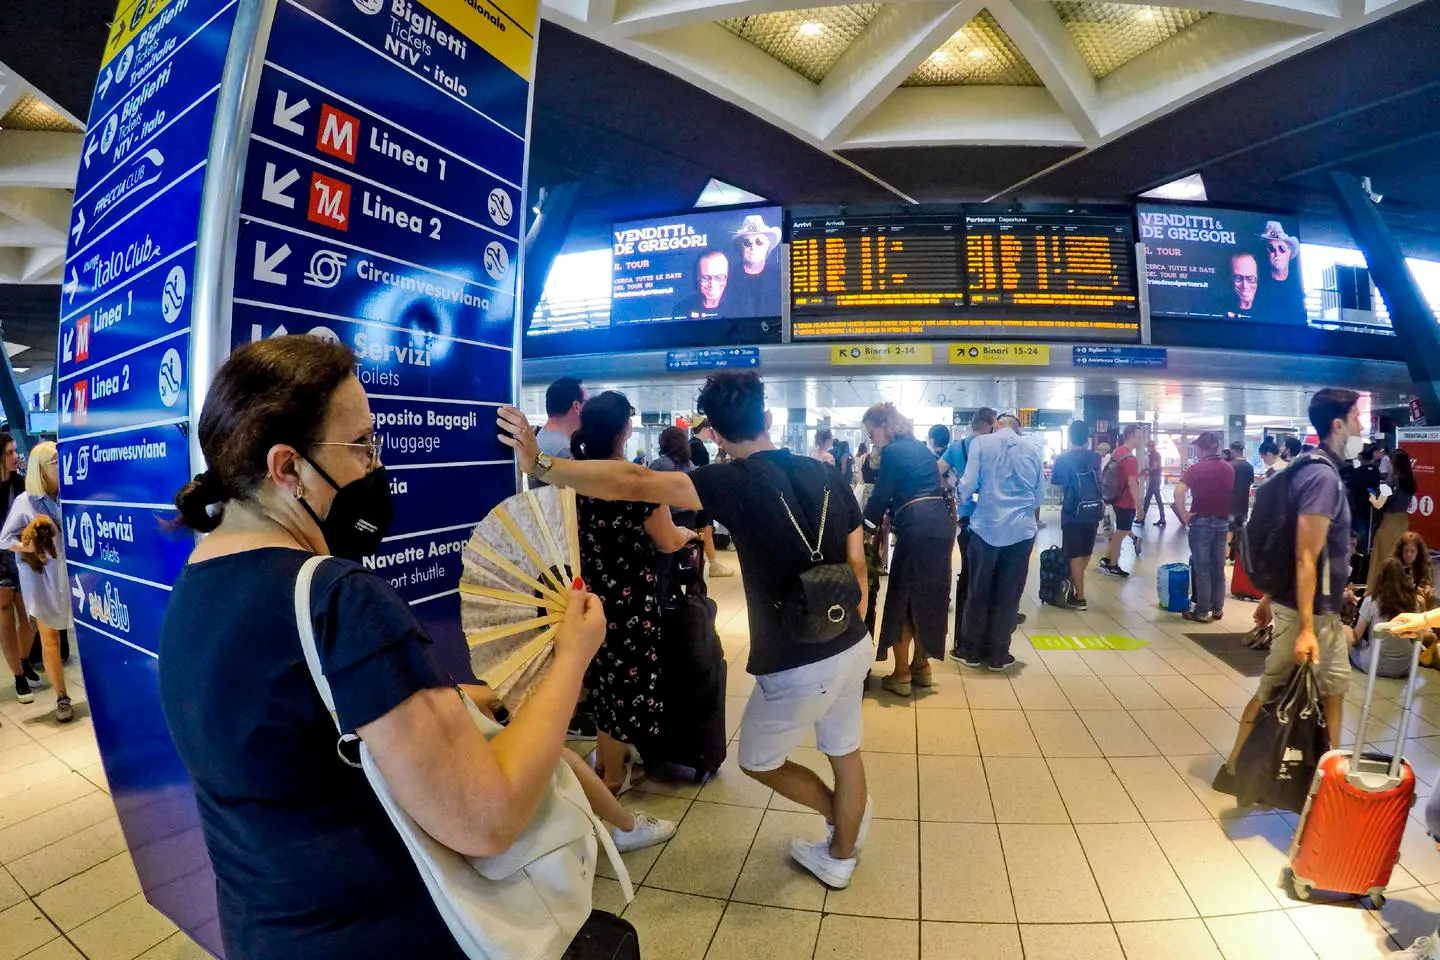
{"points": [[527, 903]]}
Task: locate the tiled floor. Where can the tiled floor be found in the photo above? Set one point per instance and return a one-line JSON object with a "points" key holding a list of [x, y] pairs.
{"points": [[1063, 810]]}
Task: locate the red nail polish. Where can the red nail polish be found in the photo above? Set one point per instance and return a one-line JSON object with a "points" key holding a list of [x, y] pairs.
{"points": [[577, 584]]}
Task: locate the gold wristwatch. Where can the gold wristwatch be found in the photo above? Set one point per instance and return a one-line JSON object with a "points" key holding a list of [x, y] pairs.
{"points": [[543, 463]]}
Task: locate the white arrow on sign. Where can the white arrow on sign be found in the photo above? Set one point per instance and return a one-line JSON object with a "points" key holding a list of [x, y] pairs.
{"points": [[285, 113], [89, 149], [78, 591], [65, 406], [70, 540], [69, 342], [72, 287], [265, 265], [274, 189], [79, 226], [104, 84]]}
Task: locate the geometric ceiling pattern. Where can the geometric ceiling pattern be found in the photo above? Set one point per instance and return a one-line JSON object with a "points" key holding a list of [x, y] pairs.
{"points": [[847, 77], [39, 154], [979, 53]]}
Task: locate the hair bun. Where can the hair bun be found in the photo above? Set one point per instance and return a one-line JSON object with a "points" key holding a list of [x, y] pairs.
{"points": [[199, 501]]}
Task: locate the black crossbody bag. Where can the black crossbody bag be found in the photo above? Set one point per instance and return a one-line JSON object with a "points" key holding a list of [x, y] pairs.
{"points": [[825, 597]]}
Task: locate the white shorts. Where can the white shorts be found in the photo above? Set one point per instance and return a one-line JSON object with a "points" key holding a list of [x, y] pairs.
{"points": [[785, 706]]}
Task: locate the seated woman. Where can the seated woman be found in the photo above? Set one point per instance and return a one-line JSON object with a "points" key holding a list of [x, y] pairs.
{"points": [[1394, 595], [307, 863], [1412, 552]]}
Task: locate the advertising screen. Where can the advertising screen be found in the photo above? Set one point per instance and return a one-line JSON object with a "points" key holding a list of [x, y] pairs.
{"points": [[699, 266], [1213, 263]]}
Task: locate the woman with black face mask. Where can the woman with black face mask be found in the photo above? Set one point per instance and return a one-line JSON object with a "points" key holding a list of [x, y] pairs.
{"points": [[307, 863]]}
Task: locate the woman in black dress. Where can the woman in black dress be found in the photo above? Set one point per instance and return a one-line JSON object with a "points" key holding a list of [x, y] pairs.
{"points": [[907, 485], [618, 542]]}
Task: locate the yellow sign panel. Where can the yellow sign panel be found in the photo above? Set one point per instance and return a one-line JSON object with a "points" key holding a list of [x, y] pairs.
{"points": [[505, 29], [1011, 354], [879, 354], [1027, 416], [131, 17]]}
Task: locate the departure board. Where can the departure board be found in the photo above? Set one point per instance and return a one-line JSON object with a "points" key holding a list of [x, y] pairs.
{"points": [[1048, 272], [1067, 260]]}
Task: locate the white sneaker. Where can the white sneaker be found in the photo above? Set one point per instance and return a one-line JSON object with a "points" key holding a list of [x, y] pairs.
{"points": [[814, 855], [647, 832], [719, 569], [1425, 948], [864, 828]]}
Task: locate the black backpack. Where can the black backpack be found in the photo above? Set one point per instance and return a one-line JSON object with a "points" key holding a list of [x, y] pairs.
{"points": [[1267, 541], [1082, 497]]}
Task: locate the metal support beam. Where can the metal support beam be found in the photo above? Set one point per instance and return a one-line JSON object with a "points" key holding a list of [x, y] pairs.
{"points": [[1410, 313], [543, 242]]}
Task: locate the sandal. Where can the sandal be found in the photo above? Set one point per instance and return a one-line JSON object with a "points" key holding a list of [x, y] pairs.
{"points": [[922, 678], [901, 688]]}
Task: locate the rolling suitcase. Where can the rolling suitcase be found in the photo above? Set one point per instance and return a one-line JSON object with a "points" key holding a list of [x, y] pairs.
{"points": [[692, 689], [1055, 586], [1349, 835], [1173, 586], [1240, 585]]}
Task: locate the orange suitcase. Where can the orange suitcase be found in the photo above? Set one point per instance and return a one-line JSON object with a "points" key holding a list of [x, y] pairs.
{"points": [[1349, 835]]}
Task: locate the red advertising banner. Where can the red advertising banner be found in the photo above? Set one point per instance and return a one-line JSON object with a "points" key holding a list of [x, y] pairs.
{"points": [[1423, 445]]}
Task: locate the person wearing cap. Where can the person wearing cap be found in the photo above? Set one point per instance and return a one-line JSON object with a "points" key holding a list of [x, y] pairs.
{"points": [[756, 286], [1280, 298]]}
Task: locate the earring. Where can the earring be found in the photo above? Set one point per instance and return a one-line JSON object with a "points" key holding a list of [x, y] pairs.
{"points": [[299, 490]]}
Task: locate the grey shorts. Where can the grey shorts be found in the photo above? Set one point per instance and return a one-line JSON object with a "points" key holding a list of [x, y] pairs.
{"points": [[1333, 675]]}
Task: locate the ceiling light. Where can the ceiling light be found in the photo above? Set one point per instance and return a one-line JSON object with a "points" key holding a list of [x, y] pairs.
{"points": [[812, 29], [1186, 188], [979, 53]]}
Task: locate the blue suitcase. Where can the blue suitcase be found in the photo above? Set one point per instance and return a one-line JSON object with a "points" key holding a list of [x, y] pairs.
{"points": [[1174, 587]]}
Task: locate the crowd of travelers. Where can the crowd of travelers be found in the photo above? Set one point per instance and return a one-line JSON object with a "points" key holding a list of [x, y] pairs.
{"points": [[289, 724]]}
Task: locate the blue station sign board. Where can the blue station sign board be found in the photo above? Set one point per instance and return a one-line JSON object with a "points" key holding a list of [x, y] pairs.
{"points": [[381, 204]]}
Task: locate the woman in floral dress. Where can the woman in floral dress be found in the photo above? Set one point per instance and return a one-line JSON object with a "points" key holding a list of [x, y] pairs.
{"points": [[618, 543]]}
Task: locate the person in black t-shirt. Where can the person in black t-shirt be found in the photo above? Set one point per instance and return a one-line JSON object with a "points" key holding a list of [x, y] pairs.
{"points": [[1077, 472], [773, 504]]}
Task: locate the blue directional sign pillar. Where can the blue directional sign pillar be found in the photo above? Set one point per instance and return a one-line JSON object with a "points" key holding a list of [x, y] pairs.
{"points": [[351, 169]]}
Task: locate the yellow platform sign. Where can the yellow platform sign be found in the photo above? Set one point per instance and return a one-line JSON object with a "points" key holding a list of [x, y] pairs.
{"points": [[1009, 354], [879, 354], [131, 17], [505, 29]]}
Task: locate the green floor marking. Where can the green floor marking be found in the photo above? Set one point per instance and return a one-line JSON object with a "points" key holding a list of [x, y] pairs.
{"points": [[1088, 641]]}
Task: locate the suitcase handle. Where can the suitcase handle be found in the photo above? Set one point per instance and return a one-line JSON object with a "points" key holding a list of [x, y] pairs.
{"points": [[1395, 758]]}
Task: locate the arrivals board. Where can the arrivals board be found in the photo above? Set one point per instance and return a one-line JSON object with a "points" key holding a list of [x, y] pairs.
{"points": [[1052, 273], [875, 262]]}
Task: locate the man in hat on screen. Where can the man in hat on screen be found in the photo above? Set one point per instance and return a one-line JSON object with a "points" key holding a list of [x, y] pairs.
{"points": [[1280, 298], [757, 285]]}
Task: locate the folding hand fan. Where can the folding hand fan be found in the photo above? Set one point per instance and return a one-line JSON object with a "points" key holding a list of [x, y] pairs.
{"points": [[519, 564]]}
